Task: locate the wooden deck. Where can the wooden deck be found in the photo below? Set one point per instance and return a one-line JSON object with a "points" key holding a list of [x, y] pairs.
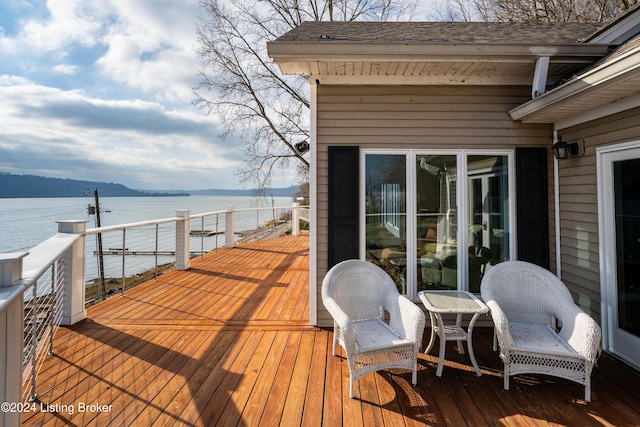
{"points": [[227, 343]]}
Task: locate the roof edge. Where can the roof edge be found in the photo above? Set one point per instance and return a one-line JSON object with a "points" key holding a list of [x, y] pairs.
{"points": [[323, 50], [618, 29], [626, 66]]}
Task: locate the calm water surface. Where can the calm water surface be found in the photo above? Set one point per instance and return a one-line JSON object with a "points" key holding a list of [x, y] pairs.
{"points": [[24, 223]]}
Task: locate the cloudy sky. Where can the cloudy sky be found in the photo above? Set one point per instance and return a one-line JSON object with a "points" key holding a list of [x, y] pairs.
{"points": [[101, 90]]}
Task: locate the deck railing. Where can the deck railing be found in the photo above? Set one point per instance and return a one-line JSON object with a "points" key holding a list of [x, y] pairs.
{"points": [[46, 287], [133, 253], [35, 298]]}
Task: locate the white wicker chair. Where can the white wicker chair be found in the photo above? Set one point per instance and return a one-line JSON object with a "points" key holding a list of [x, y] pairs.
{"points": [[539, 328], [359, 295]]}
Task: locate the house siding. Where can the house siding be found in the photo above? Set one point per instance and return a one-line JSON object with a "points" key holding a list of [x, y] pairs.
{"points": [[414, 117], [579, 239]]}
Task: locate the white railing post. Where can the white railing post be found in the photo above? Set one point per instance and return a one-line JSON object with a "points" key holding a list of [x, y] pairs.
{"points": [[296, 219], [73, 309], [229, 231], [183, 229], [11, 335]]}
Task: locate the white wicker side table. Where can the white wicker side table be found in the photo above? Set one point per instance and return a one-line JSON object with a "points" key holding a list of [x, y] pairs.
{"points": [[452, 302]]}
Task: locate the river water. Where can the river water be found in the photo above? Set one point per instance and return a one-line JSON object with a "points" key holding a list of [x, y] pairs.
{"points": [[24, 223]]}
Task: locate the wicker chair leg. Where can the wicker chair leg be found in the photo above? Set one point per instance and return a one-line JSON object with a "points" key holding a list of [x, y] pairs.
{"points": [[506, 378], [587, 391]]}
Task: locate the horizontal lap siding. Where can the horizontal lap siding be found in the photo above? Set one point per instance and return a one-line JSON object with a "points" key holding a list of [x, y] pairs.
{"points": [[413, 117], [579, 239]]}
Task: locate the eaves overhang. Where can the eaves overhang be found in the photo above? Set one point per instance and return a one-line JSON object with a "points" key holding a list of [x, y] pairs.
{"points": [[612, 86], [430, 63]]}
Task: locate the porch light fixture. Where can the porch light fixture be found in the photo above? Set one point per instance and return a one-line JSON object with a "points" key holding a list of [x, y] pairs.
{"points": [[562, 150]]}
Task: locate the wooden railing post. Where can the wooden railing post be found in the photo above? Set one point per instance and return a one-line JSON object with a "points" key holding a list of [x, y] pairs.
{"points": [[229, 231], [73, 309], [11, 334], [183, 229], [296, 219]]}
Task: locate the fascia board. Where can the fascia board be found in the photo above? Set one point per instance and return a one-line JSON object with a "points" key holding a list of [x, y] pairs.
{"points": [[338, 51], [359, 80]]}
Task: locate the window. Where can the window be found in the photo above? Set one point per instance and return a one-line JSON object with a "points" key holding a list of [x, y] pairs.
{"points": [[419, 213], [385, 213], [488, 181]]}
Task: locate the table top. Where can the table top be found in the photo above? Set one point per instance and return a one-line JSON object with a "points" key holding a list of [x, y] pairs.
{"points": [[452, 302]]}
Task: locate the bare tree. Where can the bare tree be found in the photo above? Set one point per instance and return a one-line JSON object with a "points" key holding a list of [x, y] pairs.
{"points": [[531, 10], [240, 84]]}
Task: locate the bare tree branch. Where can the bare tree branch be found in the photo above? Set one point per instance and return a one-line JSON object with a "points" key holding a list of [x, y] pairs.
{"points": [[531, 10], [243, 88]]}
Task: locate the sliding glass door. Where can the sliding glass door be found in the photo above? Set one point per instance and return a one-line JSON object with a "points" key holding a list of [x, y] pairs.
{"points": [[420, 216], [436, 221], [620, 250]]}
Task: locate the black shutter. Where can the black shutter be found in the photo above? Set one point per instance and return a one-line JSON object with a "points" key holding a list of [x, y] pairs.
{"points": [[343, 204], [533, 207]]}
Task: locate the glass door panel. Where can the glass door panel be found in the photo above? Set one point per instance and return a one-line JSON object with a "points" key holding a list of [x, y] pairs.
{"points": [[620, 249], [386, 214], [627, 231], [488, 238], [436, 221]]}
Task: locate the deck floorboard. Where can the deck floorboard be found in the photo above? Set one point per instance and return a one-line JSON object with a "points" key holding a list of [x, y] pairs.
{"points": [[228, 342]]}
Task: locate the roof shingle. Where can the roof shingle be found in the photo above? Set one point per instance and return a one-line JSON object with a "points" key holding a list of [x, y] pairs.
{"points": [[441, 32]]}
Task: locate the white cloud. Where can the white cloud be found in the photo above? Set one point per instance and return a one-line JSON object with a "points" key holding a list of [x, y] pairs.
{"points": [[68, 134], [146, 45], [70, 22], [65, 69], [152, 47]]}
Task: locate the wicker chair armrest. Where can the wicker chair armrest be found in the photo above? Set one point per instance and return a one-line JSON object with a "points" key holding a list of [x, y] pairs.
{"points": [[581, 332], [405, 317], [344, 323], [501, 324]]}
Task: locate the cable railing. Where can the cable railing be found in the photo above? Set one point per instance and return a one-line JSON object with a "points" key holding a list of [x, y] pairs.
{"points": [[134, 253], [111, 268], [305, 214], [43, 298]]}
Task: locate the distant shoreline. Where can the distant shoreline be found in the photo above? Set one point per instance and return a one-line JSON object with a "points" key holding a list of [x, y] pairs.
{"points": [[32, 186], [47, 196]]}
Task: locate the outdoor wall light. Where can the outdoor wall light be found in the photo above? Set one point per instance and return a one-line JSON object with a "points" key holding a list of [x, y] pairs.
{"points": [[302, 147], [562, 150]]}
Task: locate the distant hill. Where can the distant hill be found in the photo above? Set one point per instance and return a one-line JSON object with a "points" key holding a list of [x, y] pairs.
{"points": [[25, 186], [14, 186]]}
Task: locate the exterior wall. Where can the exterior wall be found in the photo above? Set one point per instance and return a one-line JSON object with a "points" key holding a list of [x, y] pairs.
{"points": [[579, 240], [413, 117]]}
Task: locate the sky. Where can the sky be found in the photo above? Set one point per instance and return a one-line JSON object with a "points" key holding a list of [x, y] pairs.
{"points": [[101, 90]]}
